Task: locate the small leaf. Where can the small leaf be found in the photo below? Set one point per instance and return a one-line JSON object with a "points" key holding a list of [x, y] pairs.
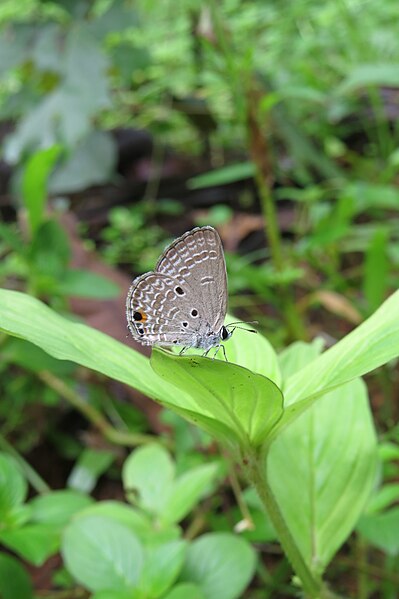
{"points": [[184, 590], [383, 498], [13, 486], [34, 183], [50, 251], [148, 476], [126, 515], [92, 463], [221, 564], [14, 580], [187, 490], [58, 507], [102, 554], [381, 530], [108, 594], [376, 269], [247, 404], [33, 542], [162, 565], [223, 176]]}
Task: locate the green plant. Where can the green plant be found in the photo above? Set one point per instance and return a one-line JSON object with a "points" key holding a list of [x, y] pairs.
{"points": [[114, 549], [267, 414]]}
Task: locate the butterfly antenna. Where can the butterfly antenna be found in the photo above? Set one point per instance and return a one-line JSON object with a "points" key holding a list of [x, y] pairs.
{"points": [[244, 329], [234, 325]]}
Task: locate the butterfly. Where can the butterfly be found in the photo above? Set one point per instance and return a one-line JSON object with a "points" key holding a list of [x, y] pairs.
{"points": [[183, 301]]}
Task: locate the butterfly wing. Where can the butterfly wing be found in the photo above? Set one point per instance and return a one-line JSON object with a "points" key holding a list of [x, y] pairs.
{"points": [[154, 316], [196, 261]]}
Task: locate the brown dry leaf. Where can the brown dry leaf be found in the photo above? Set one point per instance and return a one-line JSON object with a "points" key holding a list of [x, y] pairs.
{"points": [[236, 229], [338, 304]]}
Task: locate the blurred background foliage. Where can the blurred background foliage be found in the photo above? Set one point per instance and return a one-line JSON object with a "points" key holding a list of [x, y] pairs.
{"points": [[277, 122]]}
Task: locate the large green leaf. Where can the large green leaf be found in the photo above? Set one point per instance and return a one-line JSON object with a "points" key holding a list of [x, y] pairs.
{"points": [[321, 470], [14, 580], [373, 343], [102, 554], [247, 404], [26, 317], [221, 564]]}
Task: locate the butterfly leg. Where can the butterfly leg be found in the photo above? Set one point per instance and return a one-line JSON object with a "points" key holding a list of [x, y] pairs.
{"points": [[224, 352], [183, 350]]}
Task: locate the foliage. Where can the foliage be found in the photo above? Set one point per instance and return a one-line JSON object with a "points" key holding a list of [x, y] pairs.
{"points": [[111, 547], [296, 107], [245, 410]]}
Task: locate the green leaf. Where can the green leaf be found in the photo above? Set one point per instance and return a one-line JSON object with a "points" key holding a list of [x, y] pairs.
{"points": [[14, 580], [32, 358], [384, 497], [187, 490], [84, 283], [102, 554], [221, 564], [367, 75], [26, 317], [373, 343], [33, 542], [381, 530], [162, 565], [58, 507], [184, 590], [297, 355], [108, 594], [138, 522], [49, 251], [376, 269], [248, 405], [322, 468], [34, 183], [92, 463], [147, 476], [92, 162], [222, 176], [253, 351], [13, 486]]}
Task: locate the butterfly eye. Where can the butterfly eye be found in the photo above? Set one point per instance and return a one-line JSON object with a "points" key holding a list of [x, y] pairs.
{"points": [[224, 334]]}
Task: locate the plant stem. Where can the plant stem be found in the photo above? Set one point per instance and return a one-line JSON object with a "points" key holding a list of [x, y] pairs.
{"points": [[260, 155], [93, 415], [34, 479], [255, 465]]}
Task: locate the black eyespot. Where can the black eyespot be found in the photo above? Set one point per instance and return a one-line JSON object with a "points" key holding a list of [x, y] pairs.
{"points": [[140, 331], [174, 340], [224, 334], [179, 291], [185, 324], [137, 316], [194, 312]]}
